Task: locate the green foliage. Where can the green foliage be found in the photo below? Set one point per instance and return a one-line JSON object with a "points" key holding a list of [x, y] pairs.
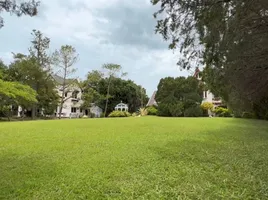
{"points": [[3, 69], [27, 70], [222, 112], [13, 93], [64, 59], [151, 110], [119, 114], [16, 92], [234, 40], [207, 106], [126, 91], [247, 115], [170, 109], [266, 116], [193, 112], [143, 112], [113, 71], [39, 50], [177, 94], [134, 114], [22, 8]]}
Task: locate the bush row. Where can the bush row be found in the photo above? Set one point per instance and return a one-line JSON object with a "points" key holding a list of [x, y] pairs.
{"points": [[119, 114]]}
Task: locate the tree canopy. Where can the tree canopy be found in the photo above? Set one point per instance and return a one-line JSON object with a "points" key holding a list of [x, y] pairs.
{"points": [[175, 96], [95, 91], [22, 8], [228, 37]]}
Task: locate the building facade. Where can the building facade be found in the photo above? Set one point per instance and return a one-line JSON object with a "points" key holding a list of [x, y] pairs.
{"points": [[73, 103]]}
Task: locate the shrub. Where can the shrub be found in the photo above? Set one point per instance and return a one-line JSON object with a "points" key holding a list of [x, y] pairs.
{"points": [[207, 106], [237, 114], [170, 109], [226, 113], [266, 116], [222, 112], [127, 114], [193, 112], [134, 114], [143, 111], [247, 115], [152, 110], [92, 115], [176, 110], [102, 115], [163, 110], [219, 110], [119, 114]]}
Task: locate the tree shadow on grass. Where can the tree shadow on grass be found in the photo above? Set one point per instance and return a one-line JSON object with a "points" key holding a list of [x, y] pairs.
{"points": [[219, 165], [21, 177]]}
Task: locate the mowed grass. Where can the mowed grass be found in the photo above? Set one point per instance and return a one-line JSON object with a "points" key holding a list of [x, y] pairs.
{"points": [[134, 158]]}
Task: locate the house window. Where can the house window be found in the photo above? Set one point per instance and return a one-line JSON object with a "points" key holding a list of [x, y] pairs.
{"points": [[66, 94], [81, 110], [205, 94], [74, 94], [73, 110]]}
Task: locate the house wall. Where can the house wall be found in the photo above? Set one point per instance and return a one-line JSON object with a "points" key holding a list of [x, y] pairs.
{"points": [[72, 106]]}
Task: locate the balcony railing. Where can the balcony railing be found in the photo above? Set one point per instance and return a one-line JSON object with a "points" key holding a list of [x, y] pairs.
{"points": [[75, 99]]}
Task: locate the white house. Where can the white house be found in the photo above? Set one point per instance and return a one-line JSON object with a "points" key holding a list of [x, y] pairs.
{"points": [[72, 107], [207, 95]]}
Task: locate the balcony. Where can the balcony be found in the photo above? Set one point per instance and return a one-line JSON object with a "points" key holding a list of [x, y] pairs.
{"points": [[75, 99], [216, 100]]}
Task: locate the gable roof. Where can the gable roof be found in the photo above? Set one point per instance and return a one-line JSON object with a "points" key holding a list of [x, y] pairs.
{"points": [[152, 101], [59, 79]]}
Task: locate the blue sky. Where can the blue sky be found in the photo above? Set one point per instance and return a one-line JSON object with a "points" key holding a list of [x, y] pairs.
{"points": [[103, 31]]}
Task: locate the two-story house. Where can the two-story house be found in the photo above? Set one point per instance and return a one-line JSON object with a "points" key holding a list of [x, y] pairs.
{"points": [[73, 103]]}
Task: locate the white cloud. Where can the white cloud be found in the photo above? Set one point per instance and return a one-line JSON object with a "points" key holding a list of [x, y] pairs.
{"points": [[95, 28], [6, 57]]}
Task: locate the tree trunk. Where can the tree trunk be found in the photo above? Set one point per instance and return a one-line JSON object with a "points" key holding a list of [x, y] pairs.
{"points": [[107, 96], [61, 103], [33, 112]]}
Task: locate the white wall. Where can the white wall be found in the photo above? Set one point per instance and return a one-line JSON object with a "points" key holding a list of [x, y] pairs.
{"points": [[76, 103], [71, 102]]}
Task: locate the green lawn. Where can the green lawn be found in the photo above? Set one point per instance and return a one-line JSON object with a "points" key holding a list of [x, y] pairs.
{"points": [[134, 158]]}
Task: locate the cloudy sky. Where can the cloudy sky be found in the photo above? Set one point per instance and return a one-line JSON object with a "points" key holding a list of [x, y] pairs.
{"points": [[102, 31]]}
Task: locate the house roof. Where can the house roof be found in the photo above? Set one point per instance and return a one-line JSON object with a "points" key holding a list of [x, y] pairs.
{"points": [[59, 79], [152, 101], [121, 105]]}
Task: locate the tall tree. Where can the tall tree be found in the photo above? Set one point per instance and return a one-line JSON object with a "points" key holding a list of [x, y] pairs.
{"points": [[91, 88], [3, 69], [65, 59], [229, 37], [14, 93], [38, 51], [121, 90], [112, 70], [26, 70], [176, 96], [19, 9]]}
